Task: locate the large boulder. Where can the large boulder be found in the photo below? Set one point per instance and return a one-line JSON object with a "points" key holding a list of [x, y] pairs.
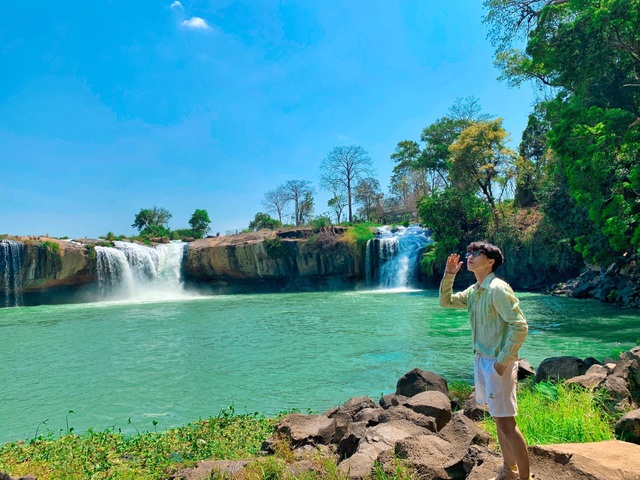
{"points": [[560, 368], [403, 413], [431, 404], [593, 378], [301, 429], [628, 427], [417, 381], [377, 439]]}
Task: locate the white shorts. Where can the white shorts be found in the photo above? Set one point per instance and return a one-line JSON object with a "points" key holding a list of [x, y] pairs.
{"points": [[497, 391]]}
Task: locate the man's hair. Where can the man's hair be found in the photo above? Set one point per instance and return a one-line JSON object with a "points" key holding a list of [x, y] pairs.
{"points": [[491, 251]]}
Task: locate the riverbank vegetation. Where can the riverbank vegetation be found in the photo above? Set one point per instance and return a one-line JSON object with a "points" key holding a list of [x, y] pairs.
{"points": [[548, 414]]}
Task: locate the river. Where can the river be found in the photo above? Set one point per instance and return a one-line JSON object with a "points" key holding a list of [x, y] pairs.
{"points": [[125, 365]]}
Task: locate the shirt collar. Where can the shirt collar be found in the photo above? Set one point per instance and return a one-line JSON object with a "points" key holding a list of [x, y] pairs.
{"points": [[486, 282]]}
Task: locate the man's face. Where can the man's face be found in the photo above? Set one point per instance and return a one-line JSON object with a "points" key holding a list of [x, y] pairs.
{"points": [[478, 261]]}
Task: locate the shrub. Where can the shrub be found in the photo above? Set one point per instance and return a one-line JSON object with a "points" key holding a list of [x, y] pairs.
{"points": [[275, 247]]}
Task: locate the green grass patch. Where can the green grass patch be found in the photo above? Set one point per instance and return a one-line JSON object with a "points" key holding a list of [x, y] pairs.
{"points": [[560, 413], [110, 455], [53, 247], [359, 235]]}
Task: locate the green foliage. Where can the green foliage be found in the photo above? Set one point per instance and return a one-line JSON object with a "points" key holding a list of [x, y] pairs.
{"points": [[182, 233], [155, 231], [588, 51], [276, 248], [560, 413], [263, 221], [53, 247], [151, 217], [359, 234], [199, 222], [319, 223], [107, 454], [456, 218]]}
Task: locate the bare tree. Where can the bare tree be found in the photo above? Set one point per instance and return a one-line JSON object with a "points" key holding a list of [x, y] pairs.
{"points": [[301, 193], [346, 166], [276, 200]]}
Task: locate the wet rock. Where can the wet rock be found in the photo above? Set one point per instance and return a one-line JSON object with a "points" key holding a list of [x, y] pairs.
{"points": [[560, 368], [417, 381]]}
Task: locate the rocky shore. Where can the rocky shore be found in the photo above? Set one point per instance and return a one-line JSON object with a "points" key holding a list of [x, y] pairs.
{"points": [[417, 425], [618, 283]]}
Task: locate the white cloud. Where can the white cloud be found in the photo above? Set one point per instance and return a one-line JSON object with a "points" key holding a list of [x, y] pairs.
{"points": [[177, 4], [196, 23]]}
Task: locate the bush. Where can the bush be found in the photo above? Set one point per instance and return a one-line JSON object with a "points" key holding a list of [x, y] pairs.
{"points": [[275, 247]]}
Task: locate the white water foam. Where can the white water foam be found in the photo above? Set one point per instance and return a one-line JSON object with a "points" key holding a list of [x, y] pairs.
{"points": [[395, 251], [136, 273]]}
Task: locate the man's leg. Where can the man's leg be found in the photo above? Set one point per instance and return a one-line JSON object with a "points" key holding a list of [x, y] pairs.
{"points": [[513, 445]]}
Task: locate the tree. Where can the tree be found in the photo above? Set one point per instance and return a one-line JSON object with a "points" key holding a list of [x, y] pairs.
{"points": [[532, 162], [300, 192], [480, 159], [200, 223], [345, 166], [147, 221], [369, 196], [263, 221], [589, 53], [276, 200]]}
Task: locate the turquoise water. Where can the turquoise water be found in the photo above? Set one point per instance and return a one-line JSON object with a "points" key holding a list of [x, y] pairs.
{"points": [[126, 365]]}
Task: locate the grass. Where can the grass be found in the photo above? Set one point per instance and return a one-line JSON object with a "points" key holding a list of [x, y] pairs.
{"points": [[110, 455], [549, 414], [560, 413]]}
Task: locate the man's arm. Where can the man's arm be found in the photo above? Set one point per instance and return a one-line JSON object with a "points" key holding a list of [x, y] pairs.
{"points": [[507, 306], [447, 298]]}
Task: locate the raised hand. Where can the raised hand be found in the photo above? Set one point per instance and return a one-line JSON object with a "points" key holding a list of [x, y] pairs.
{"points": [[453, 263]]}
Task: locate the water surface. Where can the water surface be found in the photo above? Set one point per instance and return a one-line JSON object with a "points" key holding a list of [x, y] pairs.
{"points": [[125, 365]]}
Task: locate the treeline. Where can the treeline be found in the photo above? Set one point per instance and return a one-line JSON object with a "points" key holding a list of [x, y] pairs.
{"points": [[569, 194]]}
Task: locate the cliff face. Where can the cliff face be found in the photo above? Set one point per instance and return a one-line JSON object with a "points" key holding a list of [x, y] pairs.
{"points": [[298, 258], [45, 262]]}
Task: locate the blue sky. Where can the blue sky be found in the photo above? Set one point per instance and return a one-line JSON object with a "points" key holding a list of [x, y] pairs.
{"points": [[108, 107]]}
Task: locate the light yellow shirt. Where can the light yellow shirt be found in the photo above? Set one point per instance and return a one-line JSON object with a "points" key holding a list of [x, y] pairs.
{"points": [[498, 326]]}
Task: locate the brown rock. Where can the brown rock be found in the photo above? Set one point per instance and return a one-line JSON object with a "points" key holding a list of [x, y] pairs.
{"points": [[418, 381], [301, 429], [628, 427]]}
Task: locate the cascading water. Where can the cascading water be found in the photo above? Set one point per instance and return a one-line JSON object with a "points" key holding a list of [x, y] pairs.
{"points": [[11, 261], [132, 271], [392, 257]]}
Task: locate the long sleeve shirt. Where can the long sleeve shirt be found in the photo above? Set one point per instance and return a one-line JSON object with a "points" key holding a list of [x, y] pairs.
{"points": [[498, 326]]}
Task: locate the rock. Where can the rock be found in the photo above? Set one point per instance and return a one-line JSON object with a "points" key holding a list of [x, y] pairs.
{"points": [[403, 413], [617, 390], [392, 399], [474, 410], [356, 404], [377, 439], [608, 460], [301, 429], [525, 370], [592, 378], [418, 381], [462, 429], [342, 421], [348, 444], [433, 457], [628, 427], [370, 416], [560, 368], [431, 404]]}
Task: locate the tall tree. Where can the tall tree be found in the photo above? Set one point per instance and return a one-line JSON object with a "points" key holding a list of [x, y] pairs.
{"points": [[481, 160], [532, 162], [276, 200], [369, 196], [300, 192], [151, 217], [263, 221], [589, 52], [200, 222], [346, 165]]}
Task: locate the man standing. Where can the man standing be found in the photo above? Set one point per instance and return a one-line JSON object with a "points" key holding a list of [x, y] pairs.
{"points": [[498, 329]]}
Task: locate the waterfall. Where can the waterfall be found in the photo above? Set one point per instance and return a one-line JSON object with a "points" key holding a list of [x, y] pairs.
{"points": [[132, 271], [392, 257], [11, 261]]}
